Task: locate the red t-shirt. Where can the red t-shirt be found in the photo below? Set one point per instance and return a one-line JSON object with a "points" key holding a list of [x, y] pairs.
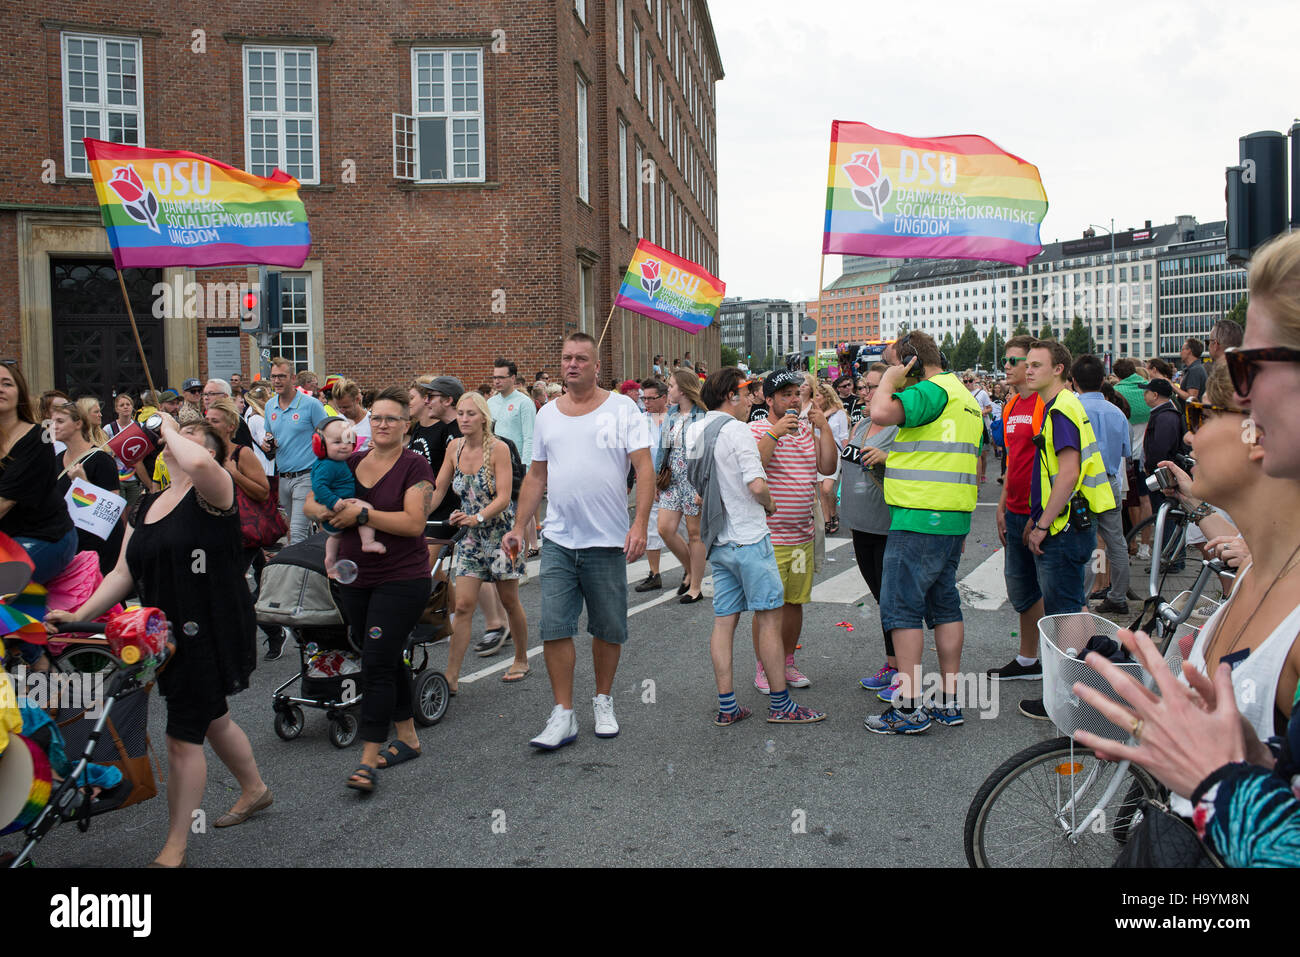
{"points": [[1021, 421]]}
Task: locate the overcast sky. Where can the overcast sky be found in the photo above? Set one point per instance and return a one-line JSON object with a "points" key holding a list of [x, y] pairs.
{"points": [[1129, 109]]}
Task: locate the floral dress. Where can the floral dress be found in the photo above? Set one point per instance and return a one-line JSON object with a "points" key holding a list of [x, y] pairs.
{"points": [[479, 554], [680, 495]]}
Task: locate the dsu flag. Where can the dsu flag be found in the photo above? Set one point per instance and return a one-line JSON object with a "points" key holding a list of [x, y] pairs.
{"points": [[175, 208], [669, 289], [950, 197]]}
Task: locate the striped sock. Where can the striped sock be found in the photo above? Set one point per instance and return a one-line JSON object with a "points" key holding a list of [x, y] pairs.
{"points": [[780, 701], [727, 703]]}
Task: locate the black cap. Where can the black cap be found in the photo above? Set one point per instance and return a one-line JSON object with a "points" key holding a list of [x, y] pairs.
{"points": [[447, 385], [781, 379], [1161, 387], [189, 384]]}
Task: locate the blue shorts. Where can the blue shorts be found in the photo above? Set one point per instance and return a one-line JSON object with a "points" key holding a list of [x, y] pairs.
{"points": [[745, 578], [1062, 568], [596, 576], [1021, 565], [919, 581]]}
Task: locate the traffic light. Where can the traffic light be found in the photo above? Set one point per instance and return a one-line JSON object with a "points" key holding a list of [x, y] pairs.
{"points": [[261, 307]]}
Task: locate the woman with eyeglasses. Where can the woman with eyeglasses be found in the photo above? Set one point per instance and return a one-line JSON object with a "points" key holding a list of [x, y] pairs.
{"points": [[384, 602], [1195, 740], [862, 504]]}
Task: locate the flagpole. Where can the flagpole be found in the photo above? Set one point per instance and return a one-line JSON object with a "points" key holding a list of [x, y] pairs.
{"points": [[606, 329], [821, 276], [148, 377]]}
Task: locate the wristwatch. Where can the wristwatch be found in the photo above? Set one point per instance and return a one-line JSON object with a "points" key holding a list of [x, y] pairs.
{"points": [[480, 518], [364, 517]]}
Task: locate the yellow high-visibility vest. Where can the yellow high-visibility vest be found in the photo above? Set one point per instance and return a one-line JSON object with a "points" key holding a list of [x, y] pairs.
{"points": [[933, 466], [1092, 480]]}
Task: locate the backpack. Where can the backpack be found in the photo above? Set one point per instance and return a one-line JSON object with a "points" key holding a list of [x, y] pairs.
{"points": [[517, 468]]}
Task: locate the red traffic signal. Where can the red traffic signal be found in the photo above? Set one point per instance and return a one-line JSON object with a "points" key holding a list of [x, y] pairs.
{"points": [[250, 302]]}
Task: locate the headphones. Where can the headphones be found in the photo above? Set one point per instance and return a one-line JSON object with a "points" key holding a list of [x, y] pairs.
{"points": [[318, 437]]}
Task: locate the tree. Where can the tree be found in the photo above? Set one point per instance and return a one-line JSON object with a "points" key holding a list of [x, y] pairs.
{"points": [[769, 361], [1079, 339], [730, 356], [993, 349], [1047, 332], [968, 348], [1238, 312], [1020, 330], [948, 348]]}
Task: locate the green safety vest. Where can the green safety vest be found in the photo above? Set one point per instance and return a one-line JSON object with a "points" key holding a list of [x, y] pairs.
{"points": [[1092, 480], [933, 466]]}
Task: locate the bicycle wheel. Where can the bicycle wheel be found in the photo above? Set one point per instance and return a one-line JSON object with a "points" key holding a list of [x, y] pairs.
{"points": [[1023, 814], [1179, 564], [85, 659]]}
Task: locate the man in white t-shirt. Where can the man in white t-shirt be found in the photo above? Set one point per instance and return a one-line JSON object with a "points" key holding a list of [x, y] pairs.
{"points": [[582, 445], [986, 410], [734, 526]]}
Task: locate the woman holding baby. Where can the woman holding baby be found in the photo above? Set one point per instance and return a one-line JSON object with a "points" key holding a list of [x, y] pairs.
{"points": [[384, 602]]}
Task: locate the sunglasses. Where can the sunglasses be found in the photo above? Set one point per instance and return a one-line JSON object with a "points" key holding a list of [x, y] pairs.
{"points": [[1243, 364], [1198, 412], [1013, 360]]}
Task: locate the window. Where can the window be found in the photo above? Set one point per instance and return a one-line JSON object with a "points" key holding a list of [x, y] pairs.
{"points": [[280, 111], [640, 212], [654, 235], [586, 298], [101, 96], [443, 141], [622, 172], [636, 60], [294, 340], [580, 8], [618, 36], [650, 88], [663, 128], [583, 185]]}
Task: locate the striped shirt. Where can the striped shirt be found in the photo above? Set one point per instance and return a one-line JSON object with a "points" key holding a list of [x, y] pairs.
{"points": [[792, 478]]}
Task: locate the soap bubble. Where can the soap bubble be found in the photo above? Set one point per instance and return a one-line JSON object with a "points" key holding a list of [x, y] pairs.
{"points": [[770, 746], [345, 571], [190, 628]]}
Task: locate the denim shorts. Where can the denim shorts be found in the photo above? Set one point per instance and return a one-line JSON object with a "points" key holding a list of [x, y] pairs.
{"points": [[745, 578], [572, 576], [919, 582], [1062, 567], [1021, 565]]}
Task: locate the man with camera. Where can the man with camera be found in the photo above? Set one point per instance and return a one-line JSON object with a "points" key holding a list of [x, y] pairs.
{"points": [[931, 489], [1163, 442], [1070, 490]]}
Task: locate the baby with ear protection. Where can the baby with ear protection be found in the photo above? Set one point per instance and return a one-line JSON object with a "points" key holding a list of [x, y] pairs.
{"points": [[334, 486]]}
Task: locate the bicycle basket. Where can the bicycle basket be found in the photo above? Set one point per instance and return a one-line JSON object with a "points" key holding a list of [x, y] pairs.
{"points": [[1060, 638]]}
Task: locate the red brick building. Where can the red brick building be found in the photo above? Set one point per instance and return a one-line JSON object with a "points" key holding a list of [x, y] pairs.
{"points": [[476, 176]]}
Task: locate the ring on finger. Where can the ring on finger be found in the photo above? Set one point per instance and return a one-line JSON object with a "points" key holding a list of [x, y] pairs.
{"points": [[1135, 727]]}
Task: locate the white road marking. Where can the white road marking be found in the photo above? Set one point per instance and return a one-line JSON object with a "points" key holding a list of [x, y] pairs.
{"points": [[985, 588]]}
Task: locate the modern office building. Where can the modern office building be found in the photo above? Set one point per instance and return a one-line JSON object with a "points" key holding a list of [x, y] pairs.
{"points": [[757, 327]]}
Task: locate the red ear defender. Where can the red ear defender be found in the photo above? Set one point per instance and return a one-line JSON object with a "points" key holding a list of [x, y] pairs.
{"points": [[318, 445]]}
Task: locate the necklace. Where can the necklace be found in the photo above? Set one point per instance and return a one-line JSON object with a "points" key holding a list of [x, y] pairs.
{"points": [[1290, 564]]}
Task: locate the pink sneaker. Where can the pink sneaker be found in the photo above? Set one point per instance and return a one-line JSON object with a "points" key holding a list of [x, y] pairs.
{"points": [[793, 676], [760, 681]]}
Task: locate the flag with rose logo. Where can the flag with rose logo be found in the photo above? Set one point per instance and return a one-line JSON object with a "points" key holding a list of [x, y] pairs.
{"points": [[176, 208], [670, 289], [948, 197]]}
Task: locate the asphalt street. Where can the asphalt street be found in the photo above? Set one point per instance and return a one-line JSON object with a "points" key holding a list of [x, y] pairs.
{"points": [[671, 789]]}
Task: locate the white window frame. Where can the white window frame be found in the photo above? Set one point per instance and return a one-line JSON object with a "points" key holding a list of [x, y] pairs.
{"points": [[640, 200], [580, 8], [663, 135], [584, 171], [620, 37], [102, 107], [622, 172], [277, 345], [280, 115], [451, 116]]}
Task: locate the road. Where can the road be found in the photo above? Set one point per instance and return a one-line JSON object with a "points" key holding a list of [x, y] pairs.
{"points": [[671, 789]]}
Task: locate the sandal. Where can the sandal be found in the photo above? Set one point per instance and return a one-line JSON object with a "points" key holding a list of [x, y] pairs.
{"points": [[534, 552], [511, 676], [397, 752], [367, 782], [833, 525]]}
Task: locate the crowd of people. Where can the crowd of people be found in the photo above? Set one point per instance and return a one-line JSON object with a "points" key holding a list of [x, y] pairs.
{"points": [[738, 476]]}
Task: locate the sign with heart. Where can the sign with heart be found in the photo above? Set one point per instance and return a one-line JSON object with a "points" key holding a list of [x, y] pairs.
{"points": [[94, 509]]}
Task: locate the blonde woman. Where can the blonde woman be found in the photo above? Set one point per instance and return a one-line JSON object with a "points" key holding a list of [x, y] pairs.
{"points": [[837, 420], [93, 412], [84, 460], [477, 467], [243, 466], [255, 400], [680, 497]]}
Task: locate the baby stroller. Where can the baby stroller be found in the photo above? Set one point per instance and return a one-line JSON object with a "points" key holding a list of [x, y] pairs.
{"points": [[297, 595], [110, 730]]}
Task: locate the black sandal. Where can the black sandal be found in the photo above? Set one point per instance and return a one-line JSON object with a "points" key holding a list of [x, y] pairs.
{"points": [[368, 782], [396, 753], [833, 525]]}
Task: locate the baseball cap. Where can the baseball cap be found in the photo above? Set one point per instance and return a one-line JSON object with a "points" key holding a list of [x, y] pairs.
{"points": [[168, 395], [780, 380], [447, 385], [1160, 387], [189, 384]]}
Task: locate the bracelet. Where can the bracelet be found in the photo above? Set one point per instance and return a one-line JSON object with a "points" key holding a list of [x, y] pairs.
{"points": [[1041, 529], [771, 435], [1202, 511]]}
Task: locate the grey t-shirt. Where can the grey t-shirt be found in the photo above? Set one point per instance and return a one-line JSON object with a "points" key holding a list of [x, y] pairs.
{"points": [[862, 497], [1195, 377]]}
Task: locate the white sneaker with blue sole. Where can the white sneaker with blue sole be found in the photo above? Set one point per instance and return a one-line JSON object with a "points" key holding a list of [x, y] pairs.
{"points": [[561, 729]]}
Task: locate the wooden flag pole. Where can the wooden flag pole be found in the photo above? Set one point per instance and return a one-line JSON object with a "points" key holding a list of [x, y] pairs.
{"points": [[821, 276], [606, 329], [148, 377]]}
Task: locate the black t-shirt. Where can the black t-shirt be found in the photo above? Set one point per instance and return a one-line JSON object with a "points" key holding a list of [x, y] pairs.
{"points": [[431, 441], [28, 477], [758, 412], [243, 434]]}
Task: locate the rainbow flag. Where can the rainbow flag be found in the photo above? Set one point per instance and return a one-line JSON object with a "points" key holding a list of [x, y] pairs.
{"points": [[24, 615], [670, 289], [176, 208], [951, 197]]}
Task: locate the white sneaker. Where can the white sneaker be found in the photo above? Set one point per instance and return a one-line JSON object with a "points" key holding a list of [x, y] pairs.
{"points": [[1144, 553], [561, 729], [606, 725]]}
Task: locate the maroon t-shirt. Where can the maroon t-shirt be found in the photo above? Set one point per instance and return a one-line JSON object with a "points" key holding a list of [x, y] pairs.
{"points": [[406, 557]]}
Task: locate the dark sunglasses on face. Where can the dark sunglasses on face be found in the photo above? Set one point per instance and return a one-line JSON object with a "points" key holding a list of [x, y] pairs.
{"points": [[1198, 412], [1013, 360], [1243, 364]]}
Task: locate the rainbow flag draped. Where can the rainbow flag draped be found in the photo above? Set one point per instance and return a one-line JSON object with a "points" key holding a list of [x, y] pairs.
{"points": [[670, 289], [951, 197], [176, 208]]}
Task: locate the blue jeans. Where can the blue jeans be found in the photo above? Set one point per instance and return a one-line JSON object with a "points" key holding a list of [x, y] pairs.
{"points": [[48, 559], [919, 581], [1021, 565], [1062, 568]]}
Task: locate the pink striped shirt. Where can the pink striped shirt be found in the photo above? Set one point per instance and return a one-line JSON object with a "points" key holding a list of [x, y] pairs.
{"points": [[792, 479]]}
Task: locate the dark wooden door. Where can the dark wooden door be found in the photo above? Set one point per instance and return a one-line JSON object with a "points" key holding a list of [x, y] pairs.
{"points": [[94, 351]]}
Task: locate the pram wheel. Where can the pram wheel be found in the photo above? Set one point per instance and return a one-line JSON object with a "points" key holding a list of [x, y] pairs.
{"points": [[343, 730], [431, 695], [289, 723]]}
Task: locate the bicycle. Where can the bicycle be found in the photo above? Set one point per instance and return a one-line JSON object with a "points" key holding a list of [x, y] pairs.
{"points": [[1056, 803]]}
